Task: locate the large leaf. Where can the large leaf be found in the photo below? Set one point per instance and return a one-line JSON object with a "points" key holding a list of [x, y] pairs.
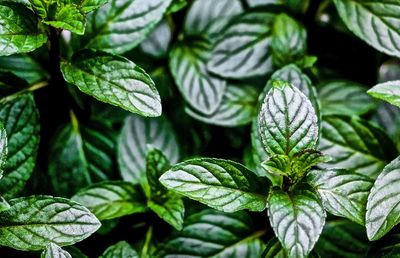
{"points": [[121, 25], [383, 207], [114, 80], [86, 152], [137, 137], [243, 49], [344, 98], [187, 62], [343, 192], [33, 222], [388, 91], [356, 145], [3, 149], [297, 218], [113, 199], [23, 66], [19, 32], [342, 238], [210, 233], [120, 250], [21, 121], [238, 107], [157, 43], [287, 120], [375, 22], [221, 184], [54, 251]]}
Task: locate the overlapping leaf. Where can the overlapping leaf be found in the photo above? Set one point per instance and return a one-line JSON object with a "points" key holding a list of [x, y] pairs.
{"points": [[388, 91], [157, 43], [23, 66], [3, 149], [54, 251], [120, 250]]}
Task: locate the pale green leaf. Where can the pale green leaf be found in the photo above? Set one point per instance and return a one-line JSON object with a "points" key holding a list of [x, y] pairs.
{"points": [[297, 219], [54, 251], [3, 149], [344, 193], [114, 80], [121, 249], [19, 32], [112, 199], [221, 184], [33, 222], [21, 121], [383, 207], [388, 91], [158, 42]]}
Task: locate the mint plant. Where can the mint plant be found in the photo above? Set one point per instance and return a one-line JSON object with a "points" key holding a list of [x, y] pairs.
{"points": [[199, 128]]}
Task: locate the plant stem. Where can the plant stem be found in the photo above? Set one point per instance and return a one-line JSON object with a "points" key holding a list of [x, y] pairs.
{"points": [[146, 245], [55, 55]]}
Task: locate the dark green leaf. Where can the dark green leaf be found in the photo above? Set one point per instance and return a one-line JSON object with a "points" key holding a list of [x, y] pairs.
{"points": [[170, 208], [187, 62], [388, 247], [113, 199], [344, 193], [388, 91], [221, 184], [356, 145], [243, 49], [383, 209], [21, 121], [19, 32], [383, 32], [156, 165], [297, 218], [137, 137], [33, 222], [23, 66], [114, 80], [120, 250], [274, 249], [54, 251], [210, 233], [3, 149]]}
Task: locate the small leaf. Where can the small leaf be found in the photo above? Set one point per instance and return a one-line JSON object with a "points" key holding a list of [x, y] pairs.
{"points": [[304, 160], [3, 149], [114, 80], [23, 66], [171, 209], [156, 165], [138, 135], [21, 121], [297, 218], [19, 32], [113, 199], [211, 233], [187, 62], [383, 209], [344, 98], [287, 121], [388, 91], [68, 17], [91, 5], [121, 25], [221, 184], [54, 251], [120, 250], [242, 50], [278, 164], [33, 222], [381, 16], [274, 249], [344, 193], [356, 145]]}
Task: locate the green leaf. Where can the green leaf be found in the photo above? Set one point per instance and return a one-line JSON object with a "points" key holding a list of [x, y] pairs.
{"points": [[156, 164], [297, 219], [356, 145], [176, 6], [68, 17], [289, 41], [242, 50], [158, 42], [278, 164], [383, 209], [23, 66], [54, 251], [388, 91], [344, 98], [114, 80], [137, 137], [221, 184], [238, 107], [113, 199], [187, 62], [344, 193], [381, 17], [21, 121], [121, 25], [274, 249], [388, 247], [210, 233], [3, 149], [207, 17], [33, 222], [19, 31], [86, 152], [287, 120], [342, 238], [91, 5], [121, 249], [304, 160], [170, 208]]}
